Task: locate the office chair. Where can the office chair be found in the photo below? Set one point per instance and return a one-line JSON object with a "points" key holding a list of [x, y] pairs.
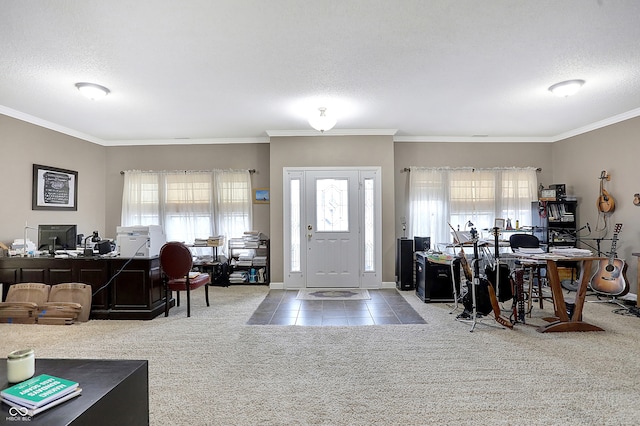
{"points": [[176, 262], [517, 241]]}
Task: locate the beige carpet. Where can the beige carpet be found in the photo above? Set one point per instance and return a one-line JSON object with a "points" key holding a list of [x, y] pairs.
{"points": [[212, 369]]}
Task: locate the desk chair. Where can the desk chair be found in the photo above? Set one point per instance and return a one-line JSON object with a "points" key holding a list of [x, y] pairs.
{"points": [[517, 241], [176, 262]]}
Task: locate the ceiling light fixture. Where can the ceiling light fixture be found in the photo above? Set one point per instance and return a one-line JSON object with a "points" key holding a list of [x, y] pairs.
{"points": [[566, 88], [322, 122], [92, 91]]}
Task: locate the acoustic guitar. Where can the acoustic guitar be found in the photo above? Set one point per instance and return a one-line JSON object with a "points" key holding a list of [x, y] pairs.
{"points": [[468, 274], [606, 203], [610, 277]]}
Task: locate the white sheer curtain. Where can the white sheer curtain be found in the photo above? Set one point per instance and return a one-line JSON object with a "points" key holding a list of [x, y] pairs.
{"points": [[233, 202], [519, 188], [428, 206], [140, 199], [439, 197], [189, 204]]}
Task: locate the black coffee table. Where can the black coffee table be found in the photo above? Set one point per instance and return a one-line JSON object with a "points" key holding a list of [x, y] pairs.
{"points": [[114, 392]]}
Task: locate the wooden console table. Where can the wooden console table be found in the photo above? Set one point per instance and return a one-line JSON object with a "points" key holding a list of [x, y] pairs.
{"points": [[134, 290], [563, 322]]}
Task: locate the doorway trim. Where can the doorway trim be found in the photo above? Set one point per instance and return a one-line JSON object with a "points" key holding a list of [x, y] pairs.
{"points": [[294, 184]]}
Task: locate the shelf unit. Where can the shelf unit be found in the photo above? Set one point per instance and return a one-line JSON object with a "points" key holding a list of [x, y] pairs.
{"points": [[556, 222], [249, 259], [215, 265]]}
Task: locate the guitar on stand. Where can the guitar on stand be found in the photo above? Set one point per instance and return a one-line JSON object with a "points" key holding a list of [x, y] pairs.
{"points": [[495, 283], [468, 275], [463, 258], [610, 277], [476, 302]]}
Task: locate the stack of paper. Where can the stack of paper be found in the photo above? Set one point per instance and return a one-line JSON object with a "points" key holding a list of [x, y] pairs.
{"points": [[238, 277], [244, 260], [260, 261], [39, 394], [532, 250], [571, 252]]}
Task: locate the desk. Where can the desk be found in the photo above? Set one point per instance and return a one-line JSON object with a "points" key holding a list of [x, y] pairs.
{"points": [[134, 292], [114, 392], [563, 322]]}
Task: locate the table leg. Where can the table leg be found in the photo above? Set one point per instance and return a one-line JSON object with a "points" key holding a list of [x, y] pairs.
{"points": [[564, 323]]}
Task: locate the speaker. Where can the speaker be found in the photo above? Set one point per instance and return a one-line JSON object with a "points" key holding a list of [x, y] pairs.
{"points": [[422, 243], [404, 264], [434, 281]]}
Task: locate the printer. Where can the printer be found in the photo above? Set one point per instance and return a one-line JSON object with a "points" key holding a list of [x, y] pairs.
{"points": [[140, 241]]}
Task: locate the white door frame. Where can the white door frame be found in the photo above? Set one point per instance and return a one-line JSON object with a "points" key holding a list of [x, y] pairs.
{"points": [[295, 267]]}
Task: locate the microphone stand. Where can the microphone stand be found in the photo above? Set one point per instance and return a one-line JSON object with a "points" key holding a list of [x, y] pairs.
{"points": [[598, 241]]}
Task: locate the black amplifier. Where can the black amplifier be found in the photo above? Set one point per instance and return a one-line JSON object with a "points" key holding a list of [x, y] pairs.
{"points": [[434, 280]]}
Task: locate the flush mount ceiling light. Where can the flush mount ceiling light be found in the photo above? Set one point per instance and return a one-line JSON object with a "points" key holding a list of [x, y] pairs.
{"points": [[566, 88], [322, 122], [92, 91]]}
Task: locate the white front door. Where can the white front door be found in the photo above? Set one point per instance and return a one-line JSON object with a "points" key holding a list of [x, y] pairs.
{"points": [[332, 227], [332, 224]]}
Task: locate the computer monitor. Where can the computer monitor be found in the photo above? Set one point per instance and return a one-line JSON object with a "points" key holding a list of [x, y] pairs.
{"points": [[57, 237]]}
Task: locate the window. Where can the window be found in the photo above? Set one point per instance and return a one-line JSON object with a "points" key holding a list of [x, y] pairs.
{"points": [[441, 198], [189, 204], [295, 232], [369, 225], [332, 205]]}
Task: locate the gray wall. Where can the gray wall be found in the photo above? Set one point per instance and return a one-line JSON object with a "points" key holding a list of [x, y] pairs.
{"points": [[435, 154], [576, 161], [185, 157], [22, 145], [326, 151]]}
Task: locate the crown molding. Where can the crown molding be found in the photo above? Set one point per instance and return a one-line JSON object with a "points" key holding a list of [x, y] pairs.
{"points": [[332, 132], [599, 124], [184, 141], [49, 125], [476, 139]]}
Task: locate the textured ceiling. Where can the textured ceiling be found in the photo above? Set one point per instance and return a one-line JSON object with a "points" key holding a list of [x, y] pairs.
{"points": [[241, 70]]}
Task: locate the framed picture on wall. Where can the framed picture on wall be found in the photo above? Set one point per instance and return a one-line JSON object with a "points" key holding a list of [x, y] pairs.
{"points": [[261, 196], [54, 188]]}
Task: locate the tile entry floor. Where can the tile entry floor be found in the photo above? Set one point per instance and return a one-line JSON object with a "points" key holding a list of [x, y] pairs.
{"points": [[387, 306]]}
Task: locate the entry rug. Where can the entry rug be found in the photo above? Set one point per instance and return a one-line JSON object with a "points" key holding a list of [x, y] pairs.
{"points": [[336, 294]]}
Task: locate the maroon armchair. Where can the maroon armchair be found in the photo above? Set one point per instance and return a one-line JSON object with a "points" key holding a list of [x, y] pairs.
{"points": [[176, 262]]}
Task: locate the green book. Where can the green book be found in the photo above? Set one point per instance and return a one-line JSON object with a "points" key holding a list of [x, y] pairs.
{"points": [[38, 391]]}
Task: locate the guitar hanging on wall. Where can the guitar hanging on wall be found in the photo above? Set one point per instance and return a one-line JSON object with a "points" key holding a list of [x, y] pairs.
{"points": [[606, 203], [610, 277]]}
